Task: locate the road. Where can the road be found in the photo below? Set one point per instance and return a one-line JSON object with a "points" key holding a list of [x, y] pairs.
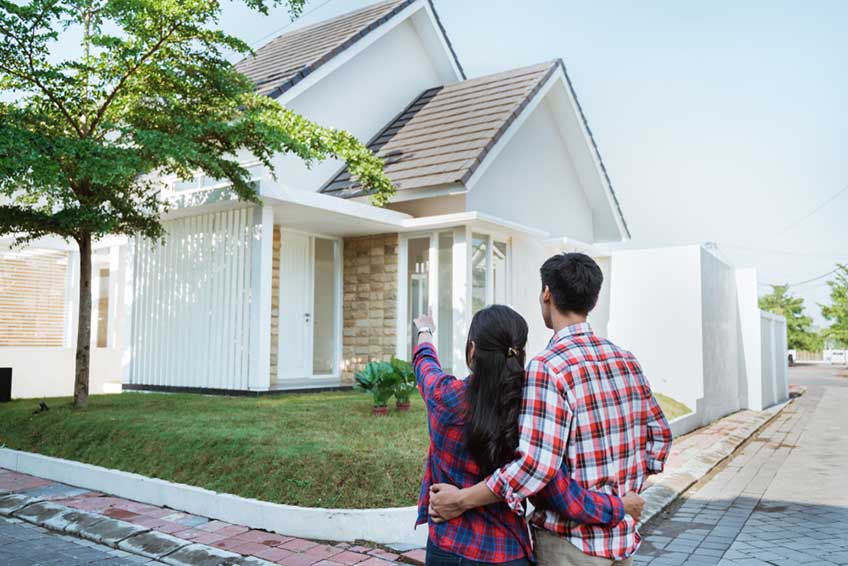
{"points": [[781, 500]]}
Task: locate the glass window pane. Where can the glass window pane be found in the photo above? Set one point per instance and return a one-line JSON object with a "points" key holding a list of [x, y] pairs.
{"points": [[445, 329], [499, 272], [324, 309], [479, 252], [417, 284], [103, 309]]}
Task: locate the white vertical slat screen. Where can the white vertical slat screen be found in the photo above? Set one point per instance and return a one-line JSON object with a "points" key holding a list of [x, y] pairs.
{"points": [[191, 310]]}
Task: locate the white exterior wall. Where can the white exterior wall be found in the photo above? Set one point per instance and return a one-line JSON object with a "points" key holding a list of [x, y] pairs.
{"points": [[362, 96], [528, 254], [191, 314], [533, 169], [655, 312], [751, 341]]}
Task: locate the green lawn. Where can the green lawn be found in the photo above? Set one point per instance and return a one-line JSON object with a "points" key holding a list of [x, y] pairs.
{"points": [[672, 408], [317, 449]]}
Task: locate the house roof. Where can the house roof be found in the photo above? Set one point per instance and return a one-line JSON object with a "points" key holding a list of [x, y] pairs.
{"points": [[446, 133], [286, 60]]}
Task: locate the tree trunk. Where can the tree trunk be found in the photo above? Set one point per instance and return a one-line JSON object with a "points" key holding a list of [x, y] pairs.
{"points": [[84, 327]]}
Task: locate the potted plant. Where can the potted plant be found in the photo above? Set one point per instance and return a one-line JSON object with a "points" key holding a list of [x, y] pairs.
{"points": [[377, 379], [404, 383]]}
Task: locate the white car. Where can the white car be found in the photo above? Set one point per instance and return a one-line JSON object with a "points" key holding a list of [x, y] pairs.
{"points": [[835, 357]]}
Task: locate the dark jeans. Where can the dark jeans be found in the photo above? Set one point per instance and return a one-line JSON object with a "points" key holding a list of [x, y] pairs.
{"points": [[438, 557]]}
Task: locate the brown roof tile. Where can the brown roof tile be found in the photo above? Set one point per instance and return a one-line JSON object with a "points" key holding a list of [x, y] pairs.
{"points": [[444, 135]]}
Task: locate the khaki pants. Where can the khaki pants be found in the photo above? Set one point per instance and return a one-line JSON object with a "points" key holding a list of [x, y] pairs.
{"points": [[552, 550]]}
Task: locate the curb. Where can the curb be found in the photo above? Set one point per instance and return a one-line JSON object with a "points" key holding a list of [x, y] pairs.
{"points": [[672, 485], [382, 526], [119, 535]]}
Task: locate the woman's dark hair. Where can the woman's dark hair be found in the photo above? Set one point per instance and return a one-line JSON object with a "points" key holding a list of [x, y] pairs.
{"points": [[495, 387]]}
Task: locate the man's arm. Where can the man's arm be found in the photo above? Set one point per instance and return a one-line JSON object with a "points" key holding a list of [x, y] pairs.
{"points": [[658, 436], [658, 433]]}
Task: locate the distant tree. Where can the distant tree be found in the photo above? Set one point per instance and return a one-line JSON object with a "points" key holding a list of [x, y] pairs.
{"points": [[800, 334], [83, 138], [837, 311]]}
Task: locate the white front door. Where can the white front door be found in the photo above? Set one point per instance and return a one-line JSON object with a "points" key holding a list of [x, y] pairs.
{"points": [[294, 354]]}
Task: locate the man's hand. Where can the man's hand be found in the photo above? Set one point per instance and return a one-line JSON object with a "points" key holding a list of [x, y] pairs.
{"points": [[633, 504], [445, 502]]}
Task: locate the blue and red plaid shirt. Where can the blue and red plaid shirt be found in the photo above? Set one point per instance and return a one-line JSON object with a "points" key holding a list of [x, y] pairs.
{"points": [[587, 407], [495, 533]]}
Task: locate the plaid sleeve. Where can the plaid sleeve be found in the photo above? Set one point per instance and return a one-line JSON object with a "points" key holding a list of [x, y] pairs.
{"points": [[542, 432], [438, 389], [572, 501], [658, 441]]}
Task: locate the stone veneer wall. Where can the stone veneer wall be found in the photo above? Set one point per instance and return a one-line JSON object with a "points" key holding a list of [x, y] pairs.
{"points": [[275, 302], [370, 301]]}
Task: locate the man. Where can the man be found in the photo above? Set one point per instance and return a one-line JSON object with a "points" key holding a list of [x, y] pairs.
{"points": [[587, 407]]}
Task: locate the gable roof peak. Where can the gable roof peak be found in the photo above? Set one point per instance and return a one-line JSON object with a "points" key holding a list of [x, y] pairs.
{"points": [[287, 59]]}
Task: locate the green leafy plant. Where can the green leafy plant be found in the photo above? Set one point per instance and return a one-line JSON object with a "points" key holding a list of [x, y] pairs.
{"points": [[377, 379], [404, 383]]}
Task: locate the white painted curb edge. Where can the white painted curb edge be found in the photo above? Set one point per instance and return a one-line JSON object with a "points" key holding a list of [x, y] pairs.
{"points": [[384, 526]]}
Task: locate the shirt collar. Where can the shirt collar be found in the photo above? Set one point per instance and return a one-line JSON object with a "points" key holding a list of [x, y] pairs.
{"points": [[579, 329]]}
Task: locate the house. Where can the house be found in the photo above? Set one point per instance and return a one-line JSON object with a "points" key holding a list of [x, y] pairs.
{"points": [[494, 174]]}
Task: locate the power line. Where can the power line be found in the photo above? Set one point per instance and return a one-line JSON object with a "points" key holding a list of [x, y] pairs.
{"points": [[789, 285], [785, 252], [816, 209]]}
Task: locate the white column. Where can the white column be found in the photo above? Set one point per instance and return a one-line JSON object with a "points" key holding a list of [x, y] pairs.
{"points": [[260, 298], [72, 299], [402, 315], [461, 296], [125, 305]]}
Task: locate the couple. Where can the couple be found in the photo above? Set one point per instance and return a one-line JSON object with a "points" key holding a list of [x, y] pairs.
{"points": [[575, 431]]}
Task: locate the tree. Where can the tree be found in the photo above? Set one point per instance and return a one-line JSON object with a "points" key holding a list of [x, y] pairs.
{"points": [[82, 140], [800, 334], [837, 311]]}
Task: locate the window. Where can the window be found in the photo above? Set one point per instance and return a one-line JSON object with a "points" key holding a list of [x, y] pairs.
{"points": [[445, 314], [418, 286], [103, 308], [489, 272], [324, 307]]}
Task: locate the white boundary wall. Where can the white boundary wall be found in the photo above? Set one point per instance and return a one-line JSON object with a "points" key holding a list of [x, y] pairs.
{"points": [[693, 322]]}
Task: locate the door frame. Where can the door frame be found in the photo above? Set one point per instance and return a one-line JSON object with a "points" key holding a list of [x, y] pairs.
{"points": [[312, 379]]}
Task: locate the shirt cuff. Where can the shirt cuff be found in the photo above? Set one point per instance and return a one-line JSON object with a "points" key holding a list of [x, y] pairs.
{"points": [[499, 485], [617, 510], [655, 466]]}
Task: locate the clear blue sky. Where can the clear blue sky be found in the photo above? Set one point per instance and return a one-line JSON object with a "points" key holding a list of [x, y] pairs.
{"points": [[719, 121]]}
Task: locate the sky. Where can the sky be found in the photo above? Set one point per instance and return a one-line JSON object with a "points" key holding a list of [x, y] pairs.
{"points": [[718, 121]]}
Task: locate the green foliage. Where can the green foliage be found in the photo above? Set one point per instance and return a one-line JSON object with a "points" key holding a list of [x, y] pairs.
{"points": [[405, 384], [379, 380], [837, 311], [382, 380], [800, 334]]}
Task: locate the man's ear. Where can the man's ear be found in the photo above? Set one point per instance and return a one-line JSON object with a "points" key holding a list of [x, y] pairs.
{"points": [[546, 294]]}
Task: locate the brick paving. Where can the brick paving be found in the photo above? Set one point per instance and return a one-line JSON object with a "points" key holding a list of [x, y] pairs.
{"points": [[22, 544], [780, 501]]}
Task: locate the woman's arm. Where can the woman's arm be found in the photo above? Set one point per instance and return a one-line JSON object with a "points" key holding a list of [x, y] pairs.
{"points": [[439, 390]]}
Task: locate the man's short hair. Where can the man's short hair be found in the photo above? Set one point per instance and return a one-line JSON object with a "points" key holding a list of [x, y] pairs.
{"points": [[574, 280]]}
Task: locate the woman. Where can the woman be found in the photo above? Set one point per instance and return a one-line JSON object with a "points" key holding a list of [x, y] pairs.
{"points": [[473, 431]]}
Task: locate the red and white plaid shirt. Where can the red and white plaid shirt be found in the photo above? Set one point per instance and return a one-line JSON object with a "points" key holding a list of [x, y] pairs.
{"points": [[588, 407]]}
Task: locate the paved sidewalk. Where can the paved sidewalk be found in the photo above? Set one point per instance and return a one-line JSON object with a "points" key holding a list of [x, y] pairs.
{"points": [[22, 544], [180, 538], [780, 501]]}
